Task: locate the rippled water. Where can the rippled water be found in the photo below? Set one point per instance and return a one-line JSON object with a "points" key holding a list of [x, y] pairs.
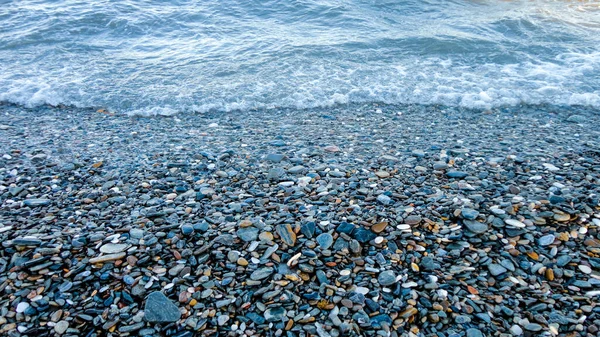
{"points": [[162, 57]]}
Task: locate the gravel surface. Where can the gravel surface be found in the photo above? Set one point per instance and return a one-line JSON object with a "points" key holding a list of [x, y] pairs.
{"points": [[361, 220]]}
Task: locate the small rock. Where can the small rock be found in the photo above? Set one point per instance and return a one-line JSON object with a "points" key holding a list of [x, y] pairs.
{"points": [[546, 240], [61, 327], [159, 308], [325, 240], [496, 269], [386, 278]]}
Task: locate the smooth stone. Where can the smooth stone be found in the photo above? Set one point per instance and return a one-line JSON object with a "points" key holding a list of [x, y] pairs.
{"points": [[514, 223], [496, 269], [308, 229], [136, 233], [364, 235], [261, 273], [187, 229], [113, 248], [346, 228], [476, 226], [159, 308], [469, 213], [546, 240], [274, 314], [533, 327], [516, 330], [456, 174], [61, 327], [222, 319], [472, 332], [22, 306], [274, 157], [36, 202], [386, 278], [106, 258], [585, 269], [247, 233], [384, 199], [286, 234], [325, 240], [413, 219]]}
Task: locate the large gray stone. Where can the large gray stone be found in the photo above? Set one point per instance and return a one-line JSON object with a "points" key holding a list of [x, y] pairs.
{"points": [[160, 309]]}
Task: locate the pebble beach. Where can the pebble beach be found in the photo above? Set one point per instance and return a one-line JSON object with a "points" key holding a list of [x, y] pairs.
{"points": [[353, 220]]}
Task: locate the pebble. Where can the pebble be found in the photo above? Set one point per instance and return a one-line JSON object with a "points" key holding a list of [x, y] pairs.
{"points": [[546, 240], [113, 248], [61, 327], [386, 278], [325, 240], [159, 308], [248, 233], [514, 223], [107, 258], [496, 269], [261, 273]]}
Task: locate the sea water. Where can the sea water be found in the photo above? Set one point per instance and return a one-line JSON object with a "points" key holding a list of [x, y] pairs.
{"points": [[164, 57]]}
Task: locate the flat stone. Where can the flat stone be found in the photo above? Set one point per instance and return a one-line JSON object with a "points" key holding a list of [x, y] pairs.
{"points": [[475, 226], [113, 248], [325, 240], [159, 308], [496, 269], [274, 157], [22, 306], [469, 213], [308, 229], [514, 223], [382, 174], [247, 233], [379, 227], [456, 174], [472, 332], [261, 273], [364, 235], [412, 219], [386, 278], [286, 234], [533, 327], [222, 319], [36, 202], [275, 314], [108, 257], [384, 199], [27, 242], [546, 240], [516, 330], [61, 327]]}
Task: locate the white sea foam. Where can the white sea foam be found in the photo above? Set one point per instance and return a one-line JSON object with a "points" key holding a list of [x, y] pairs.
{"points": [[142, 61]]}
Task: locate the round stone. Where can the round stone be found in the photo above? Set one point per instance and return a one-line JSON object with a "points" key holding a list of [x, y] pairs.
{"points": [[546, 240], [21, 307], [325, 240], [61, 327], [386, 278], [187, 229]]}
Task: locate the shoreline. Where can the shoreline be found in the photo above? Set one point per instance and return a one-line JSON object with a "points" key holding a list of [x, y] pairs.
{"points": [[353, 220]]}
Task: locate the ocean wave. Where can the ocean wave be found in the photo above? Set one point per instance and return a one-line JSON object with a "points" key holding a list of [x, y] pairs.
{"points": [[223, 56]]}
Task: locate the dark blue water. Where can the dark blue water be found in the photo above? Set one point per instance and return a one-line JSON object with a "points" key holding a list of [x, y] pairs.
{"points": [[163, 57]]}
